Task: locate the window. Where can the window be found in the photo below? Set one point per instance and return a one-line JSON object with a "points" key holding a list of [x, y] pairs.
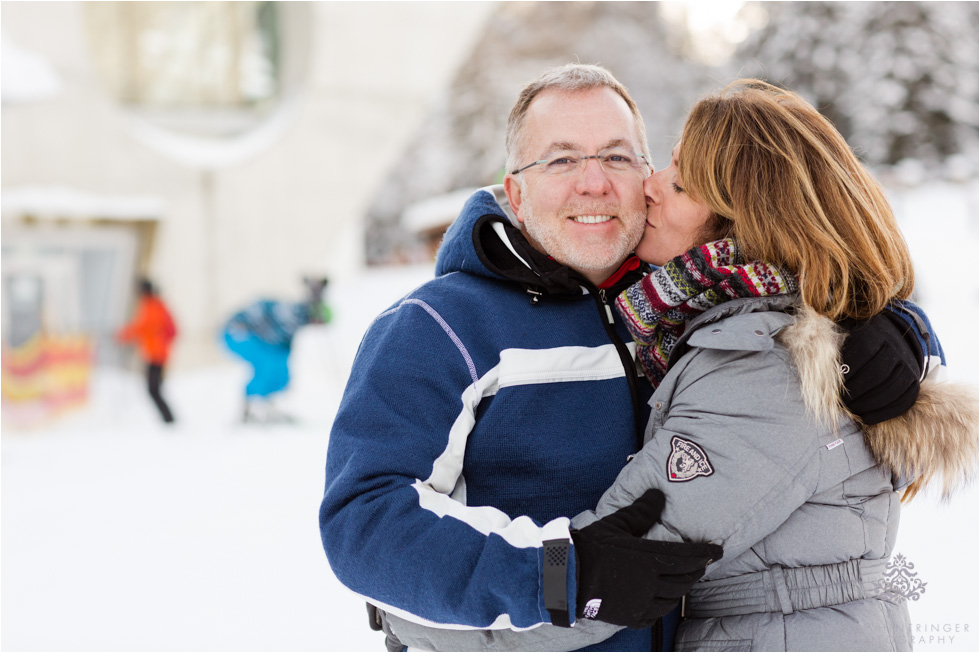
{"points": [[202, 68]]}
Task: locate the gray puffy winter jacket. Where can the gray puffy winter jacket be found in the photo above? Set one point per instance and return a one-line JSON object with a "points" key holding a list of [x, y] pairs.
{"points": [[750, 444], [749, 441]]}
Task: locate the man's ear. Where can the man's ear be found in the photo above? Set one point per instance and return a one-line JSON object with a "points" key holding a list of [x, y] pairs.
{"points": [[513, 189]]}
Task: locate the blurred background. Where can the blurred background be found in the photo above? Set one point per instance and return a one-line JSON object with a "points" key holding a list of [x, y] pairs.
{"points": [[228, 150]]}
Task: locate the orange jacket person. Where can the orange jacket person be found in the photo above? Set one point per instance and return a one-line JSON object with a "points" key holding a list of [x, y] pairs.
{"points": [[154, 330]]}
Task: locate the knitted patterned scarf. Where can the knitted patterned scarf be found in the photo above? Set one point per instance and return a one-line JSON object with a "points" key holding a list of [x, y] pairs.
{"points": [[657, 308]]}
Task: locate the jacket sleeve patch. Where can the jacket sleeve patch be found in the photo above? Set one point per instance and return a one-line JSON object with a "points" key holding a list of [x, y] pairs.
{"points": [[687, 461]]}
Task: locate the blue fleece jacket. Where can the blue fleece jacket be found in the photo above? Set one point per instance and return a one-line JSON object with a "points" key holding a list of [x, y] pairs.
{"points": [[482, 410]]}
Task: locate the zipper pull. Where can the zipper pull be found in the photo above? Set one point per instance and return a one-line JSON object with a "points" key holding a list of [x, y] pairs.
{"points": [[602, 298]]}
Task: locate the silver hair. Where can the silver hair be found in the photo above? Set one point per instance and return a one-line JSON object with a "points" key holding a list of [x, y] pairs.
{"points": [[570, 77]]}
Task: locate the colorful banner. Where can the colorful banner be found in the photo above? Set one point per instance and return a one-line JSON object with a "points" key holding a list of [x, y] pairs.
{"points": [[43, 378]]}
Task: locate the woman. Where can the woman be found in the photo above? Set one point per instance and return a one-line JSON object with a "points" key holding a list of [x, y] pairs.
{"points": [[769, 231]]}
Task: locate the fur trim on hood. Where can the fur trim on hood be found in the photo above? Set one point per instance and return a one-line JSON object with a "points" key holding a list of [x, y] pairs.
{"points": [[936, 438]]}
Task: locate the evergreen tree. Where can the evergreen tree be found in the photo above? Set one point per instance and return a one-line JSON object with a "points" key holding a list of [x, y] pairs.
{"points": [[898, 79]]}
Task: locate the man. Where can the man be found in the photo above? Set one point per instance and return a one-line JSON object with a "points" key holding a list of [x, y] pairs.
{"points": [[153, 329], [499, 399]]}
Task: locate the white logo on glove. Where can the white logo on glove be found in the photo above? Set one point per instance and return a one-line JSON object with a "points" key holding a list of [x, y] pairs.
{"points": [[592, 608]]}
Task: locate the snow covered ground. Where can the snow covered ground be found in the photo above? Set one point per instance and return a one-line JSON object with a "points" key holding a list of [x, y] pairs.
{"points": [[121, 534]]}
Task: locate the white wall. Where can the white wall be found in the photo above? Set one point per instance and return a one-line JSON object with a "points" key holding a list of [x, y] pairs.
{"points": [[293, 207]]}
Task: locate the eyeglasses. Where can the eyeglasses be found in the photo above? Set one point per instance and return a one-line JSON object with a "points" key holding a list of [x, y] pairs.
{"points": [[616, 160]]}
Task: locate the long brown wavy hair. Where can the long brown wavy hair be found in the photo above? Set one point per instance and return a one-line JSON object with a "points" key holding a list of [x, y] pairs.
{"points": [[794, 194]]}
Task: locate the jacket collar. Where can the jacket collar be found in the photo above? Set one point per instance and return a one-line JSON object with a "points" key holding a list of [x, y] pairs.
{"points": [[780, 303], [936, 439]]}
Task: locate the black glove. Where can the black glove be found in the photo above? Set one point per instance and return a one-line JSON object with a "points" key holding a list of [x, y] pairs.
{"points": [[882, 362], [626, 580]]}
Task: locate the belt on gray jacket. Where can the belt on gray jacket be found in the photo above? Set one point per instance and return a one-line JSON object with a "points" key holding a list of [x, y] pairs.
{"points": [[787, 589]]}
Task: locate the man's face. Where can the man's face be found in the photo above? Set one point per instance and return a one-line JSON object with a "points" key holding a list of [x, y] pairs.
{"points": [[589, 219]]}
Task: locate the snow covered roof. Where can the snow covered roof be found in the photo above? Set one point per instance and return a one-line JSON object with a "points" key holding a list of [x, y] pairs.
{"points": [[63, 202], [25, 75]]}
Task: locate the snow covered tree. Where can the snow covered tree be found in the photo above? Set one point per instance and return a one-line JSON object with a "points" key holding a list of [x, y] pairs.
{"points": [[898, 79]]}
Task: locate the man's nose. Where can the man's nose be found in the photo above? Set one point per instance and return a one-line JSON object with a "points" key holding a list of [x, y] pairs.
{"points": [[593, 180]]}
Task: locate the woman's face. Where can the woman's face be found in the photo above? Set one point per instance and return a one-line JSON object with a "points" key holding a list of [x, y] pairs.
{"points": [[675, 221]]}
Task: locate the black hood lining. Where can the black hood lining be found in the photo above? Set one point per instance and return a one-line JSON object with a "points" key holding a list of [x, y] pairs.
{"points": [[542, 274]]}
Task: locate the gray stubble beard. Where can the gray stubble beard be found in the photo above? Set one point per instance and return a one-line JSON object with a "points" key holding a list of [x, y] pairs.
{"points": [[597, 257]]}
